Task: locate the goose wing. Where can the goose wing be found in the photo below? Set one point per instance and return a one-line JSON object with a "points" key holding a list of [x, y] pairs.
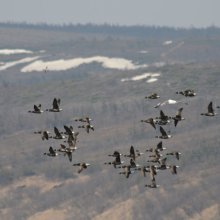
{"points": [[178, 113], [55, 104], [58, 103], [163, 162], [75, 135], [63, 146], [153, 183], [87, 120], [162, 131], [176, 154], [210, 109], [173, 170], [80, 169], [86, 128], [132, 162], [116, 153], [67, 129], [51, 150], [118, 159], [132, 150], [162, 115], [70, 139], [56, 131], [143, 171], [72, 144], [69, 156], [44, 135], [71, 128], [39, 106], [152, 175], [175, 122], [159, 146], [151, 121], [154, 94], [36, 108]]}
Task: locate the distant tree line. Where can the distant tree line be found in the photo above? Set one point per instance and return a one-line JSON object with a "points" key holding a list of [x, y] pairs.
{"points": [[143, 31]]}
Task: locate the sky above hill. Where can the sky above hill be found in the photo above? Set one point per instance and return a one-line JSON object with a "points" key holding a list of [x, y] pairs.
{"points": [[187, 13]]}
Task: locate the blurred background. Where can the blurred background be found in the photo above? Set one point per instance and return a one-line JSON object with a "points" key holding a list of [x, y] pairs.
{"points": [[103, 58]]}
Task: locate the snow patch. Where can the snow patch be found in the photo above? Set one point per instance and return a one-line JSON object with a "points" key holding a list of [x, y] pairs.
{"points": [[13, 63], [15, 51], [167, 42], [143, 51], [59, 65], [155, 74], [152, 80], [142, 76]]}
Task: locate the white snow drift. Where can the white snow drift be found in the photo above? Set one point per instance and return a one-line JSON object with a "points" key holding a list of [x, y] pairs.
{"points": [[142, 76], [4, 66], [167, 42], [15, 51], [59, 65]]}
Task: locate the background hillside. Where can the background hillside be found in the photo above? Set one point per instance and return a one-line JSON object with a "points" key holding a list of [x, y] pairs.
{"points": [[34, 186]]}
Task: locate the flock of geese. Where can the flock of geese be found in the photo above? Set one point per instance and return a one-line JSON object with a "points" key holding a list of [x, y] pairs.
{"points": [[72, 136], [152, 169]]}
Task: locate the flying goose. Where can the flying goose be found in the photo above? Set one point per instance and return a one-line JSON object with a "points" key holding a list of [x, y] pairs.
{"points": [[69, 154], [162, 164], [153, 150], [72, 145], [87, 127], [69, 130], [81, 166], [153, 185], [58, 135], [44, 134], [174, 153], [173, 169], [46, 69], [115, 154], [52, 153], [72, 138], [153, 96], [150, 121], [169, 102], [116, 161], [155, 160], [67, 151], [152, 171], [159, 146], [143, 170], [37, 109], [127, 171], [163, 119], [56, 106], [178, 117], [133, 154], [165, 135], [62, 148], [210, 111], [84, 119], [187, 92], [156, 154], [132, 164]]}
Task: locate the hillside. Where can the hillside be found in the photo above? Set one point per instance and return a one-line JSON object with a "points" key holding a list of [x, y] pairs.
{"points": [[34, 186]]}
